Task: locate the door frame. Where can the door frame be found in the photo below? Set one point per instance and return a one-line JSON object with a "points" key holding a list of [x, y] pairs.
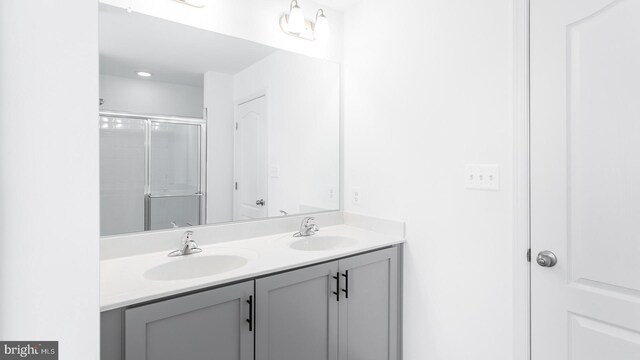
{"points": [[240, 101], [521, 183]]}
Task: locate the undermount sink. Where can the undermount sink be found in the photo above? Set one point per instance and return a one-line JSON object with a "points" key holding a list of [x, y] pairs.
{"points": [[323, 242], [189, 267]]}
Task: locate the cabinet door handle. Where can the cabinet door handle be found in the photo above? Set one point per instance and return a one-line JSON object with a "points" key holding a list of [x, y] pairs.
{"points": [[337, 292], [346, 284], [250, 319]]}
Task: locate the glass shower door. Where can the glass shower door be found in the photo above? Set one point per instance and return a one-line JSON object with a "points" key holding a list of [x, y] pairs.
{"points": [[175, 177], [122, 174]]}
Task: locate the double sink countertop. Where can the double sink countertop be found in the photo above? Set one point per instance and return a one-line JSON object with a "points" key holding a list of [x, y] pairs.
{"points": [[138, 278]]}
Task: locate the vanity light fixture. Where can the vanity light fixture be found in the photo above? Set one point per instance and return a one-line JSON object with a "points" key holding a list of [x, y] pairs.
{"points": [[295, 24], [295, 19], [321, 27], [144, 74]]}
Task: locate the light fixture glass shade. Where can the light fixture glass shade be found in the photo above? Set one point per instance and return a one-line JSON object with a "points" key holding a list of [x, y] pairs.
{"points": [[296, 20], [321, 28]]}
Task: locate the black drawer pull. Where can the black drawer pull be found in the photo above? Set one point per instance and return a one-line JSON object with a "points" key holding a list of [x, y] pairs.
{"points": [[346, 284], [250, 319], [337, 292]]}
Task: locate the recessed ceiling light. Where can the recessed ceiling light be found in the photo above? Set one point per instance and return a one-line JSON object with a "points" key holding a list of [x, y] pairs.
{"points": [[144, 74]]}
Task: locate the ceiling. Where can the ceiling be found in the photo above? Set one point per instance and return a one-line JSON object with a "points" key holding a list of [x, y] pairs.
{"points": [[172, 52]]}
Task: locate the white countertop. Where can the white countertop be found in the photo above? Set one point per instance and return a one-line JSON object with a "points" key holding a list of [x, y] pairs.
{"points": [[122, 280]]}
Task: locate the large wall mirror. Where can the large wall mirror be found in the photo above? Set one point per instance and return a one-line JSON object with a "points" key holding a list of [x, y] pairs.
{"points": [[200, 128]]}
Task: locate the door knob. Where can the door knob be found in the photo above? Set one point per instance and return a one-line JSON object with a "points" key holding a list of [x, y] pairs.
{"points": [[546, 259], [260, 202]]}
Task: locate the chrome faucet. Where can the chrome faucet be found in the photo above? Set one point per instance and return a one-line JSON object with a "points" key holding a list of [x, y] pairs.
{"points": [[187, 246], [307, 228]]}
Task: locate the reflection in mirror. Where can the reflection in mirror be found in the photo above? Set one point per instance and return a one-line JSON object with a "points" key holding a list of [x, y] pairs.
{"points": [[199, 128]]}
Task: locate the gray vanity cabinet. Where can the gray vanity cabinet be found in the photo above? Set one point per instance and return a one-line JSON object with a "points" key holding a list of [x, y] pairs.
{"points": [[346, 309], [297, 314], [342, 310], [209, 325], [368, 312]]}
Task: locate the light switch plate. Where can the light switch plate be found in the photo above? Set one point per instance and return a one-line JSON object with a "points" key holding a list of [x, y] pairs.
{"points": [[482, 177]]}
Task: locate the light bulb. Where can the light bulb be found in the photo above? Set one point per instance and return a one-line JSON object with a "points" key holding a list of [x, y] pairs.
{"points": [[321, 28], [296, 20]]}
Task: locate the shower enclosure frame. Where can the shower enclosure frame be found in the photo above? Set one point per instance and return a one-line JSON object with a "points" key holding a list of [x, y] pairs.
{"points": [[201, 192]]}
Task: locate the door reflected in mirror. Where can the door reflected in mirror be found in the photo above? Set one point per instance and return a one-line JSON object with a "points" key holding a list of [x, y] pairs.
{"points": [[200, 128]]}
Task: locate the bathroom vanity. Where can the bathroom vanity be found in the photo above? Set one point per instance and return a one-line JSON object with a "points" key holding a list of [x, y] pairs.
{"points": [[332, 295], [229, 145]]}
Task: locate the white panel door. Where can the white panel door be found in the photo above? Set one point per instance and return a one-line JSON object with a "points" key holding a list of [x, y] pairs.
{"points": [[585, 179], [250, 160]]}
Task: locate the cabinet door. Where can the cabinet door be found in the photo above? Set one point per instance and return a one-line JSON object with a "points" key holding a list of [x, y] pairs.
{"points": [[210, 325], [297, 315], [368, 312]]}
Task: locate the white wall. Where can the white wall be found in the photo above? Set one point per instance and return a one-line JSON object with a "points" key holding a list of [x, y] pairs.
{"points": [[218, 99], [49, 225], [303, 111], [150, 97], [255, 20], [427, 90]]}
